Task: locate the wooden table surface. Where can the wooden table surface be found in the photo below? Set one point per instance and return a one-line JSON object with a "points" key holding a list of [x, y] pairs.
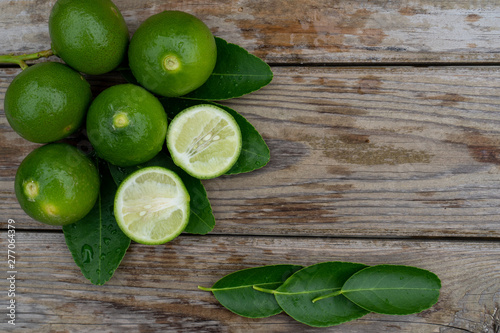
{"points": [[383, 121]]}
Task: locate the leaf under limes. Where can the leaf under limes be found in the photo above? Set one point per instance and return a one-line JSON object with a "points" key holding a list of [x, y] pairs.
{"points": [[201, 218], [236, 73], [393, 289], [254, 151], [96, 242], [236, 291]]}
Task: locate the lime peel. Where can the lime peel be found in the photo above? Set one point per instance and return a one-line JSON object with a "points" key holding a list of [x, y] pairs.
{"points": [[31, 189]]}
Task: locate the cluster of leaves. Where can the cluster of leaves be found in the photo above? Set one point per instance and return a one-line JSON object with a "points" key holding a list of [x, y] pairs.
{"points": [[328, 293], [96, 242]]}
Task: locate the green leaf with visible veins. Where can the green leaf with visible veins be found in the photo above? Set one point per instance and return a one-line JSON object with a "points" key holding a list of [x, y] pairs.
{"points": [[236, 73], [393, 289], [254, 151], [201, 218], [296, 296], [237, 292], [96, 242]]}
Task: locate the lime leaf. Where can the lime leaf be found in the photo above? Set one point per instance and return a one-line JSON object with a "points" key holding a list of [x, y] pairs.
{"points": [[393, 289], [96, 242], [201, 218], [236, 73], [236, 291], [298, 294], [254, 150]]}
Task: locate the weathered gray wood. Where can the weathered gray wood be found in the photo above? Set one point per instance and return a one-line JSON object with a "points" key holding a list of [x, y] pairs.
{"points": [[313, 31], [382, 152], [155, 288]]}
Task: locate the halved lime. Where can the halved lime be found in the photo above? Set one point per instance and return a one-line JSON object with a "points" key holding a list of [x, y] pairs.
{"points": [[204, 140], [152, 206]]}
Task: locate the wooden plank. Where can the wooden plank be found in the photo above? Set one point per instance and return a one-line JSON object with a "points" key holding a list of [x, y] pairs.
{"points": [[313, 31], [382, 152], [155, 288]]}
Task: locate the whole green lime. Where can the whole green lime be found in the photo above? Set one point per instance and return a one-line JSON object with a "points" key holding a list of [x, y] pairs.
{"points": [[57, 184], [127, 125], [47, 102], [91, 36], [172, 53]]}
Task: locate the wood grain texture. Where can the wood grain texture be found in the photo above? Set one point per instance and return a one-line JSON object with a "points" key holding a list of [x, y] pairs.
{"points": [[312, 31], [380, 152], [155, 288], [378, 165]]}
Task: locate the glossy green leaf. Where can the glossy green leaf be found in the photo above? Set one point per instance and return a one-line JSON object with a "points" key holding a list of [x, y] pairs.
{"points": [[96, 242], [296, 295], [254, 151], [392, 289], [201, 218], [236, 291], [236, 73]]}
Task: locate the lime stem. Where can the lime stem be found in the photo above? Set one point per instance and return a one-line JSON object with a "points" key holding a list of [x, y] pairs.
{"points": [[20, 59]]}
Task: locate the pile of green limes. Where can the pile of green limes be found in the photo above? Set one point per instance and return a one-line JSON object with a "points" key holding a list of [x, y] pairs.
{"points": [[171, 54]]}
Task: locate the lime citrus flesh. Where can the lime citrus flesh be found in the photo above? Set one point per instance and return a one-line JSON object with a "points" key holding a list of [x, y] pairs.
{"points": [[91, 36], [172, 53], [204, 140], [152, 206], [126, 125], [57, 184], [47, 102]]}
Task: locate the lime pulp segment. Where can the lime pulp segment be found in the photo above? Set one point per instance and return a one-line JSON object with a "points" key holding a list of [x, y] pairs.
{"points": [[152, 206], [204, 140]]}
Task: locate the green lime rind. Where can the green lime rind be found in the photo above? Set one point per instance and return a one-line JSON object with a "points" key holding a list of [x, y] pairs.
{"points": [[201, 217], [91, 36], [190, 122], [126, 125], [172, 53], [47, 102], [183, 204], [57, 184]]}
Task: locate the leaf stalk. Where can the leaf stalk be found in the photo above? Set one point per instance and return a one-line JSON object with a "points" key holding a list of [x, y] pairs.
{"points": [[20, 60]]}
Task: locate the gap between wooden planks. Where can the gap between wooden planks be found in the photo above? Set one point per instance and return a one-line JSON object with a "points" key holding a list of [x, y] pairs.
{"points": [[310, 31], [155, 287], [368, 151]]}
